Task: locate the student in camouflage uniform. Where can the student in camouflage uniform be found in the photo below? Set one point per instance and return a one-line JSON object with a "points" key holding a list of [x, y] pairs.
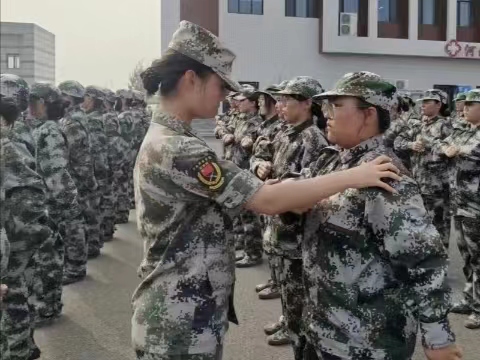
{"points": [[186, 197], [27, 227], [101, 200], [118, 152], [126, 121], [294, 149], [81, 164], [463, 148], [430, 170], [242, 135], [374, 265], [51, 163], [18, 87], [458, 117]]}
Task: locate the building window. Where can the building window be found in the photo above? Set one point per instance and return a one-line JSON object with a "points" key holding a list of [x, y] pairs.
{"points": [[13, 61], [427, 12], [387, 11], [253, 7], [464, 13], [349, 6], [301, 8]]}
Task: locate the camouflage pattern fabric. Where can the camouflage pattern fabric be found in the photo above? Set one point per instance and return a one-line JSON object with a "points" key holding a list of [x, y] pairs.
{"points": [[52, 164], [15, 87], [435, 94], [126, 120], [397, 127], [304, 86], [22, 134], [465, 206], [184, 194], [81, 168], [374, 265], [294, 149], [429, 169], [201, 45], [72, 88], [118, 158], [28, 227], [473, 96], [4, 255], [101, 202]]}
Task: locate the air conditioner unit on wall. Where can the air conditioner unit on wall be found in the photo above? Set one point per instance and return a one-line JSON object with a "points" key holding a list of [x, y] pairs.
{"points": [[348, 24]]}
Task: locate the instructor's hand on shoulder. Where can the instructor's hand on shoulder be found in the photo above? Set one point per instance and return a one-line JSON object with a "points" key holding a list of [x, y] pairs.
{"points": [[370, 174]]}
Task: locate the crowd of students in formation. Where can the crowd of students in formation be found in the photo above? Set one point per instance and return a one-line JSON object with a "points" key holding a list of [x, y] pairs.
{"points": [[282, 131], [67, 157]]}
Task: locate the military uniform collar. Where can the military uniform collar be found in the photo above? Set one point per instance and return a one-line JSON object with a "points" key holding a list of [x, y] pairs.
{"points": [[35, 123], [432, 120], [296, 129], [368, 145], [270, 121], [163, 118]]}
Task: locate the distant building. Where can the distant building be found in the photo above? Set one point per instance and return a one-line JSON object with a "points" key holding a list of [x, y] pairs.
{"points": [[416, 44], [27, 50]]}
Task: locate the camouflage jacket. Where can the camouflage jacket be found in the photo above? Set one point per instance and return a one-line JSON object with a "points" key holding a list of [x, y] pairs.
{"points": [[264, 144], [118, 149], [98, 141], [222, 122], [464, 171], [138, 129], [80, 160], [126, 121], [295, 149], [245, 127], [428, 168], [374, 267], [186, 198], [22, 135], [51, 160], [398, 127], [24, 208]]}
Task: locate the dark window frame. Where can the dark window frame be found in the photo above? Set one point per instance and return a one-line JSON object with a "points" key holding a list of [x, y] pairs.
{"points": [[233, 7], [471, 19], [16, 61], [392, 12], [312, 9], [435, 13]]}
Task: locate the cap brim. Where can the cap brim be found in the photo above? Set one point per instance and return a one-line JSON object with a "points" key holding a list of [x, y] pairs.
{"points": [[240, 97], [270, 94], [231, 84], [332, 93], [428, 98]]}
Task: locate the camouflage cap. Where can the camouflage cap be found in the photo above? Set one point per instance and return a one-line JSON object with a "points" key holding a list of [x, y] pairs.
{"points": [[46, 91], [95, 92], [473, 96], [110, 95], [305, 86], [435, 94], [232, 94], [124, 94], [15, 87], [201, 45], [138, 95], [269, 91], [460, 97], [72, 88], [248, 91], [366, 86]]}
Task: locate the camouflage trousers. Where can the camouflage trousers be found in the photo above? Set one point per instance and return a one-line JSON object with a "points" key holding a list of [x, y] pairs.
{"points": [[47, 281], [290, 278], [248, 234], [73, 234], [216, 356], [466, 231], [438, 208], [4, 348], [18, 321], [131, 192], [107, 210], [123, 201], [90, 207]]}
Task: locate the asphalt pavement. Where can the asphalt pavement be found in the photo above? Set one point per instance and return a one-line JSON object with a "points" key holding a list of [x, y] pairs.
{"points": [[97, 313]]}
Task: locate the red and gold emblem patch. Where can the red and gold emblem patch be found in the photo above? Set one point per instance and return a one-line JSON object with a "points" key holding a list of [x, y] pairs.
{"points": [[210, 174]]}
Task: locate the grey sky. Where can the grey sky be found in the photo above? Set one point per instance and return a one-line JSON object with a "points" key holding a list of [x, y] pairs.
{"points": [[98, 42]]}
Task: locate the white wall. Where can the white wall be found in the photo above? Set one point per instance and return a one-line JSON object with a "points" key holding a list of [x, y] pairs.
{"points": [[272, 47], [169, 20]]}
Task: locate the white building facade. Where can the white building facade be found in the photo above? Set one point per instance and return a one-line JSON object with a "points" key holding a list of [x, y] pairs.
{"points": [[418, 44]]}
